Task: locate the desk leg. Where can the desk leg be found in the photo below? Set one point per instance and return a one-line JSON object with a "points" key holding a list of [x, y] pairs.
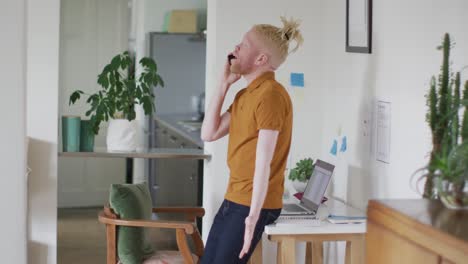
{"points": [[355, 250], [257, 257], [288, 250], [317, 252], [278, 253], [314, 253], [308, 253]]}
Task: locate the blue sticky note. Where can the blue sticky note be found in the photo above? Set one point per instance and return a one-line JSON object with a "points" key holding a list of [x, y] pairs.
{"points": [[297, 79], [334, 148], [344, 144]]}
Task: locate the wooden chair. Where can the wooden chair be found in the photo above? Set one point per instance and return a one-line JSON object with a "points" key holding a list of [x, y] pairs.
{"points": [[183, 228]]}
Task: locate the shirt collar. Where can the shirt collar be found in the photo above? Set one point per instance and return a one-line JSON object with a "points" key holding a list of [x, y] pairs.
{"points": [[260, 79]]}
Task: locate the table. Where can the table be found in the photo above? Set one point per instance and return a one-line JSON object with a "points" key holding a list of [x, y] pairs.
{"points": [[148, 153], [287, 235], [144, 153]]}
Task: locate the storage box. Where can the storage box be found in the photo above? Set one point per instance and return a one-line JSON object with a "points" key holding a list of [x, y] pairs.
{"points": [[183, 21]]}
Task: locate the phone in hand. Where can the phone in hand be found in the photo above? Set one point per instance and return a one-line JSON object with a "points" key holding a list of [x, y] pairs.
{"points": [[230, 58]]}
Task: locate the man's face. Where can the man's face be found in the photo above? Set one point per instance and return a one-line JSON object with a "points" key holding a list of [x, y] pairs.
{"points": [[245, 54]]}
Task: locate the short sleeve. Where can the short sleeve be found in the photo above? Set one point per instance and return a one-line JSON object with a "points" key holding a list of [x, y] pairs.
{"points": [[229, 110], [271, 111]]}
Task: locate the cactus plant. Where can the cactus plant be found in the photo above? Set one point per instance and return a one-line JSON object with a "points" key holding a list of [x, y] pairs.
{"points": [[455, 126], [443, 101], [464, 128]]}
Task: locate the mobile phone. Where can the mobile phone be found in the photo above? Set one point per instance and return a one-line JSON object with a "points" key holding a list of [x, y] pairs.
{"points": [[231, 57]]}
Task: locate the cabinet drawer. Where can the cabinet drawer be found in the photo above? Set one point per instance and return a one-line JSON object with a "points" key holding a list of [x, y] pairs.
{"points": [[386, 247]]}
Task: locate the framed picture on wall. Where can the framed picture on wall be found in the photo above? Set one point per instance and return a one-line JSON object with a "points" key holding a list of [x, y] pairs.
{"points": [[359, 26]]}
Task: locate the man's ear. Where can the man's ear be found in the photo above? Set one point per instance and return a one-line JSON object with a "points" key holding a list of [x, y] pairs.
{"points": [[262, 59]]}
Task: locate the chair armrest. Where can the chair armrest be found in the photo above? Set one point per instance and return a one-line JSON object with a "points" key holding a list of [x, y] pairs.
{"points": [[196, 211], [188, 227]]}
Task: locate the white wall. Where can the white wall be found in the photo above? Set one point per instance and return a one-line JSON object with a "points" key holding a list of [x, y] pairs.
{"points": [[43, 20], [404, 58], [92, 32], [341, 88], [12, 135]]}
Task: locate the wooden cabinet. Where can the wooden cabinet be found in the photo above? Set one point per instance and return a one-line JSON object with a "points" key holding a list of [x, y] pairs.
{"points": [[415, 231]]}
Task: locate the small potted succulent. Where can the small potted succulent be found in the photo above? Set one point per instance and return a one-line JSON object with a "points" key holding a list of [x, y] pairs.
{"points": [[115, 101], [300, 174]]}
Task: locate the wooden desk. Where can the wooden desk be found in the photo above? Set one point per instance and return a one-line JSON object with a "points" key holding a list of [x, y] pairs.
{"points": [[287, 235]]}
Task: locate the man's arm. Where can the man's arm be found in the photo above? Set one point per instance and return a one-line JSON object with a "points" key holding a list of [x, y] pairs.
{"points": [[215, 126], [266, 145]]}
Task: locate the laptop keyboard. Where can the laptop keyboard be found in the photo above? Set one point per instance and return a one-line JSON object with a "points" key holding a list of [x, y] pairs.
{"points": [[305, 220], [293, 208]]}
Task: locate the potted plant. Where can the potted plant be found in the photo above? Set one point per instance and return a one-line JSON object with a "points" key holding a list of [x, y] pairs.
{"points": [[452, 180], [115, 101], [300, 174], [446, 173]]}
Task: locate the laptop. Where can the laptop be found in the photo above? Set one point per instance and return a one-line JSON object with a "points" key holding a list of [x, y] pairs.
{"points": [[314, 191]]}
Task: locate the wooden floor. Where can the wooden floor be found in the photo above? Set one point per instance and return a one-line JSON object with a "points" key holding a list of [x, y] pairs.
{"points": [[81, 238]]}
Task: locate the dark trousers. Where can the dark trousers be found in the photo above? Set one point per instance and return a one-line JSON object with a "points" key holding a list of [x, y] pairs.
{"points": [[226, 237]]}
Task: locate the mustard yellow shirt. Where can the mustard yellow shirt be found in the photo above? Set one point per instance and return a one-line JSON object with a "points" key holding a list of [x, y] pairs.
{"points": [[264, 104]]}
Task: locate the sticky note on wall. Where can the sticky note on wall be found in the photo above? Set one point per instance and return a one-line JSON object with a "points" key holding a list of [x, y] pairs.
{"points": [[297, 79], [344, 144], [334, 148]]}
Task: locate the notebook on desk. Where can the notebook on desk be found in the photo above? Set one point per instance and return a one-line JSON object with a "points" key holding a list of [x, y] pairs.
{"points": [[342, 213], [313, 194]]}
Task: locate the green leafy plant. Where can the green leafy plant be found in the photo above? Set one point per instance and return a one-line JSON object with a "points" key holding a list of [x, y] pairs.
{"points": [[444, 102], [452, 172], [302, 171], [454, 166], [121, 91]]}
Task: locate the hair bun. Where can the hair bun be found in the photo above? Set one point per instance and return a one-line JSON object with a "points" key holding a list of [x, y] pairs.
{"points": [[290, 31]]}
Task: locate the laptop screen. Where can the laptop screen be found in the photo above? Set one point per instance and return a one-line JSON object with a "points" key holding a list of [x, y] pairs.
{"points": [[317, 185]]}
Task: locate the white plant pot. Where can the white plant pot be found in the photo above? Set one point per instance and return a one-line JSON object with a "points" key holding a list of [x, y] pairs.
{"points": [[121, 135], [299, 186]]}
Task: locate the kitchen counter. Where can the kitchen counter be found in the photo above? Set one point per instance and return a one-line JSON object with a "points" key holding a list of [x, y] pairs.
{"points": [[153, 153], [190, 131], [185, 176]]}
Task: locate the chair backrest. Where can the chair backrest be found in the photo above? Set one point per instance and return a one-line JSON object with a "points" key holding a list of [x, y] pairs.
{"points": [[109, 213], [111, 234]]}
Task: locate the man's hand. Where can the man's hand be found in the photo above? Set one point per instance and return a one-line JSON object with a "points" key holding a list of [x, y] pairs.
{"points": [[250, 223], [228, 77]]}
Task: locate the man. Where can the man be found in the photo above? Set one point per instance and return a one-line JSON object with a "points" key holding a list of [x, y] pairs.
{"points": [[259, 122]]}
